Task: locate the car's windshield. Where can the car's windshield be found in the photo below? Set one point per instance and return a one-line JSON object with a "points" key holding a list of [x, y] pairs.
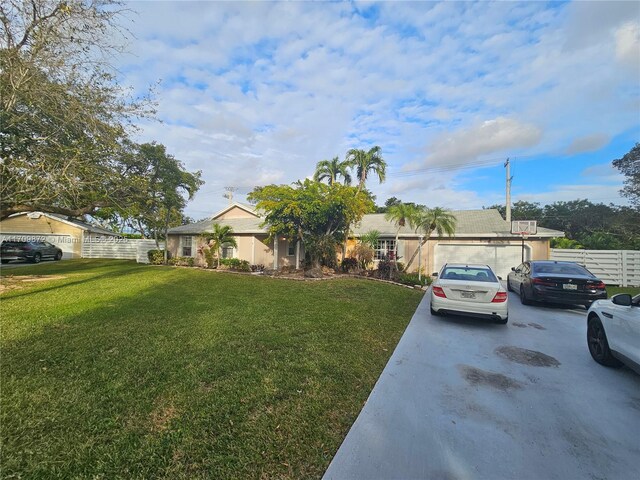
{"points": [[560, 269], [469, 274]]}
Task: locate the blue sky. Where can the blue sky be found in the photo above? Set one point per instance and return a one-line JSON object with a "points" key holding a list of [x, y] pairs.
{"points": [[258, 92]]}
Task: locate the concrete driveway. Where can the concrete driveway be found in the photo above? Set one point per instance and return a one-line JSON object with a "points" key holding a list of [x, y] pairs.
{"points": [[465, 399]]}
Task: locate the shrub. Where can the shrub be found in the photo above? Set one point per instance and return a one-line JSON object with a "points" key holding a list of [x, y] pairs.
{"points": [[412, 279], [387, 270], [182, 261], [236, 264], [257, 268], [349, 264], [209, 257], [156, 257], [364, 254]]}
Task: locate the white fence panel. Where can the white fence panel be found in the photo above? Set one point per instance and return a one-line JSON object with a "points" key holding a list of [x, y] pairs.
{"points": [[118, 248], [613, 267]]}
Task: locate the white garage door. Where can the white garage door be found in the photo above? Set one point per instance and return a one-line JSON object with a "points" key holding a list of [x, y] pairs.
{"points": [[499, 257]]}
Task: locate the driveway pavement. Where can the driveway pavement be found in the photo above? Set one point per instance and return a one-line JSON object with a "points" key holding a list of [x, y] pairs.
{"points": [[466, 399]]}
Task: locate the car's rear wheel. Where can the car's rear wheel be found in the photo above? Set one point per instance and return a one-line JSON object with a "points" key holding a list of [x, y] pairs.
{"points": [[502, 321], [434, 313], [509, 285], [599, 345], [523, 297], [36, 258], [58, 256], [5, 261]]}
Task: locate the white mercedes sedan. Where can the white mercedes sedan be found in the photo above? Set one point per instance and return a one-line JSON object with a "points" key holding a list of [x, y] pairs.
{"points": [[469, 290]]}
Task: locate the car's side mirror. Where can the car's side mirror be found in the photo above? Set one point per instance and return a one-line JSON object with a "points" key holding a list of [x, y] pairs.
{"points": [[499, 277], [434, 274], [622, 299], [513, 269]]}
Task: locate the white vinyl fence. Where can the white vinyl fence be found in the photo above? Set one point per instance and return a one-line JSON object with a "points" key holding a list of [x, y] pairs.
{"points": [[613, 267], [120, 248]]}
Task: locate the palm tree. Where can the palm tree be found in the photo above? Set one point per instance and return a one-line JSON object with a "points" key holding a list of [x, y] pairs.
{"points": [[402, 214], [221, 235], [331, 170], [433, 220], [367, 162]]}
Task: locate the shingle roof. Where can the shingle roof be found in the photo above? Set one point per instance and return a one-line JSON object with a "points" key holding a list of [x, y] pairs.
{"points": [[484, 223]]}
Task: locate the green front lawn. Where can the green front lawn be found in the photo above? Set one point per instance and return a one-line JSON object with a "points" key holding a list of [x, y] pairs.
{"points": [[633, 291], [114, 369]]}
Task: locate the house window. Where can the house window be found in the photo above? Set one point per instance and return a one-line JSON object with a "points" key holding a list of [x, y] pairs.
{"points": [[227, 251], [186, 246], [291, 249], [385, 250]]}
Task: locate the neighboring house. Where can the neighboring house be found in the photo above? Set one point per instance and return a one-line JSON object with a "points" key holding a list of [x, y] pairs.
{"points": [[482, 236], [69, 234]]}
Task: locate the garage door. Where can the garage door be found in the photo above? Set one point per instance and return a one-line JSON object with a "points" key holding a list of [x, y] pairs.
{"points": [[64, 242], [499, 257]]}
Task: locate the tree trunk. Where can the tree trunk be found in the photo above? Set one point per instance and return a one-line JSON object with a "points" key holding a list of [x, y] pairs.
{"points": [[166, 238], [420, 244]]}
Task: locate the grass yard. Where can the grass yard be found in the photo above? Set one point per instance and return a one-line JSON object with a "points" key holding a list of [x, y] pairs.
{"points": [[112, 369], [633, 291]]}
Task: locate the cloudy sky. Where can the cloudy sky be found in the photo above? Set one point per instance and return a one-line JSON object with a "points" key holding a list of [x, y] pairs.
{"points": [[255, 92]]}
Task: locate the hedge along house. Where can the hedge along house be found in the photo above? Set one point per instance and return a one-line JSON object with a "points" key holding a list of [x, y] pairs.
{"points": [[69, 234], [252, 239], [481, 236]]}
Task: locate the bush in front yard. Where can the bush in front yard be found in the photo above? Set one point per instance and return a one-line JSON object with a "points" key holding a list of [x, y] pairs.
{"points": [[235, 264], [349, 265], [182, 261], [412, 279], [156, 257]]}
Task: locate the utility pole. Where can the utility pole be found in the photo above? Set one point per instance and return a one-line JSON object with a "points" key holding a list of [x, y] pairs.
{"points": [[229, 193], [509, 178]]}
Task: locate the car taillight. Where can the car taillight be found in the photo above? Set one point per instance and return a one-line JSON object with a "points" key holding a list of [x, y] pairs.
{"points": [[539, 281], [596, 285], [438, 292], [500, 297]]}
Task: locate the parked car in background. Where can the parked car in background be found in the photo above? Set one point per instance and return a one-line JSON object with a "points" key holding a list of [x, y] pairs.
{"points": [[30, 251], [613, 331], [555, 282], [469, 290]]}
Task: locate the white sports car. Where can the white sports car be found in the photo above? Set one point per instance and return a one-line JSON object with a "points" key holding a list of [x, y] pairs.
{"points": [[469, 290], [613, 331]]}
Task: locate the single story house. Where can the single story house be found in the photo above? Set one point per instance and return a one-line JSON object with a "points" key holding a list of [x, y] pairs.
{"points": [[481, 236], [67, 233]]}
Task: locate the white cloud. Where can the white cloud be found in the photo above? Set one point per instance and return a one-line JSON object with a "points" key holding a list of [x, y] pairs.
{"points": [[488, 137], [628, 45], [259, 92], [588, 143]]}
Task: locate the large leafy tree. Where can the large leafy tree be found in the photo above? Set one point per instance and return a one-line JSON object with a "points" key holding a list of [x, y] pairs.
{"points": [[366, 163], [430, 220], [331, 170], [314, 213], [402, 214], [629, 165], [64, 120]]}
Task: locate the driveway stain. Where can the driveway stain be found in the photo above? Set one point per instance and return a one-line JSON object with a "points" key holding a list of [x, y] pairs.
{"points": [[476, 376], [520, 325], [537, 326], [527, 357]]}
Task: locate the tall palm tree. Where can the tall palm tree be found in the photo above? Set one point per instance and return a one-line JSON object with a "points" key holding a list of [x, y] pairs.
{"points": [[221, 235], [432, 220], [367, 162], [402, 214], [330, 170]]}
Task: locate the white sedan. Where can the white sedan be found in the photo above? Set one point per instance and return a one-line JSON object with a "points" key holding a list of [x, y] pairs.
{"points": [[613, 331], [469, 290]]}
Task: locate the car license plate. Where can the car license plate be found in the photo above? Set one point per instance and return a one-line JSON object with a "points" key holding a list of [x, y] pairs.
{"points": [[468, 294], [570, 286]]}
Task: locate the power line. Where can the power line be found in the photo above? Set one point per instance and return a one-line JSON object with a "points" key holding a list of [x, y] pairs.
{"points": [[491, 162]]}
